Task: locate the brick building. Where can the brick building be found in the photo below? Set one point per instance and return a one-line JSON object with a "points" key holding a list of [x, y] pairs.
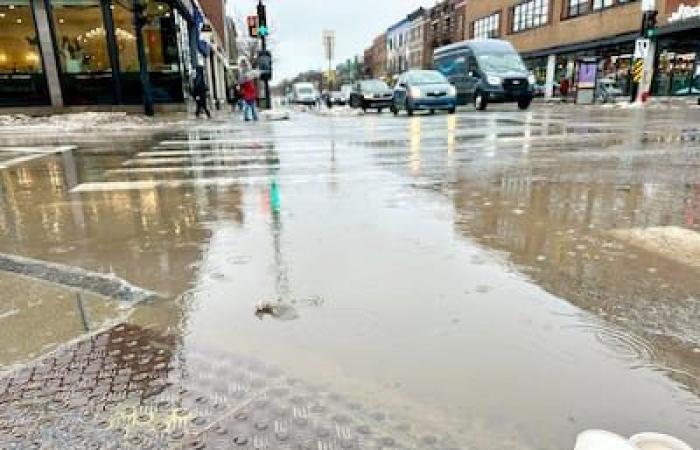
{"points": [[418, 57], [446, 23], [552, 34], [376, 58]]}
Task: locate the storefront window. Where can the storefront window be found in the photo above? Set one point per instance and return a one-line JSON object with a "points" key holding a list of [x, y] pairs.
{"points": [[81, 43], [577, 7], [21, 73], [162, 54], [676, 74], [600, 4]]}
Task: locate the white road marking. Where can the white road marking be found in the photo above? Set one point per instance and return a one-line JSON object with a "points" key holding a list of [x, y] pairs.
{"points": [[33, 153], [197, 158], [106, 186], [135, 170]]}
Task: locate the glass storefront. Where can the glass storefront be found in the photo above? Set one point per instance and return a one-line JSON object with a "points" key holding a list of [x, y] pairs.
{"points": [[162, 54], [676, 74], [160, 35], [94, 65], [85, 65], [22, 79], [81, 45]]}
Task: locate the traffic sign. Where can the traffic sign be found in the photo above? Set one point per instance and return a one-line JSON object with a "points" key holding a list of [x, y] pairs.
{"points": [[638, 70], [641, 48]]}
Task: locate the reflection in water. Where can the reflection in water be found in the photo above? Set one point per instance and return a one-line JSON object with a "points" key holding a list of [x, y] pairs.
{"points": [[415, 144]]}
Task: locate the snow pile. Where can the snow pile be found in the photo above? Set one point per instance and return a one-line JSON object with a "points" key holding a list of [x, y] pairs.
{"points": [[276, 114], [339, 111], [82, 121]]}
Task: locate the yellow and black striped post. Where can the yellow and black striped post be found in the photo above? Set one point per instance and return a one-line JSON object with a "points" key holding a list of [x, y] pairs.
{"points": [[638, 70]]}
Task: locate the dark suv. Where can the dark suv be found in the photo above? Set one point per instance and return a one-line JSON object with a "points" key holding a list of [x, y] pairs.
{"points": [[368, 94]]}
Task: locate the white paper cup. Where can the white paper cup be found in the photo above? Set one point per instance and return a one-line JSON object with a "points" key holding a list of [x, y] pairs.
{"points": [[602, 440], [658, 441]]}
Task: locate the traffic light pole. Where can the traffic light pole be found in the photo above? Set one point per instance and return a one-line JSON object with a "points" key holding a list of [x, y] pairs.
{"points": [[266, 83], [263, 41]]}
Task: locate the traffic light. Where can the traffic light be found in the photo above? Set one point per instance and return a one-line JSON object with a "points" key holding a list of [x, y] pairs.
{"points": [[265, 65], [262, 21], [650, 30], [253, 26], [262, 16]]}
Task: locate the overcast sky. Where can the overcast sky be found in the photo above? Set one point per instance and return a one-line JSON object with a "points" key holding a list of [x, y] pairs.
{"points": [[297, 26]]}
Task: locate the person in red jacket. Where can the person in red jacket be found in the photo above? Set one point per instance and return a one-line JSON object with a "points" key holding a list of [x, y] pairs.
{"points": [[249, 93]]}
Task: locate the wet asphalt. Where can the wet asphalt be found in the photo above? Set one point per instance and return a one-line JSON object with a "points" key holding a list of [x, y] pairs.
{"points": [[497, 280]]}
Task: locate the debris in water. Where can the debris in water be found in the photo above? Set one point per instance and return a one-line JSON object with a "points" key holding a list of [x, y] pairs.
{"points": [[277, 309]]}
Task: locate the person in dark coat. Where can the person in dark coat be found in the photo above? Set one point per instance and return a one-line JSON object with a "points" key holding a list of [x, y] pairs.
{"points": [[199, 92]]}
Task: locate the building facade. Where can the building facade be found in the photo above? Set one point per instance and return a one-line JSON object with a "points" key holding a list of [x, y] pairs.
{"points": [[416, 39], [377, 64], [397, 47], [88, 54], [553, 34]]}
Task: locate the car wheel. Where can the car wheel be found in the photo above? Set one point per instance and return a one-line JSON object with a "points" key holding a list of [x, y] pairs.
{"points": [[394, 110], [451, 110], [409, 110], [480, 101], [380, 110], [524, 103], [432, 111], [354, 102]]}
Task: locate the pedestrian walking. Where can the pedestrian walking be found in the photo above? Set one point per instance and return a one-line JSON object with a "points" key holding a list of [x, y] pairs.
{"points": [[248, 92], [199, 92]]}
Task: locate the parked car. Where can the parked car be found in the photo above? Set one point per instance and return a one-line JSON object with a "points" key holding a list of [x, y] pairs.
{"points": [[333, 98], [346, 90], [486, 71], [424, 90], [371, 94], [304, 94]]}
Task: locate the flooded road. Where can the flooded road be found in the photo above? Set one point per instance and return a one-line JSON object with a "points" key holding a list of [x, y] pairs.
{"points": [[479, 281]]}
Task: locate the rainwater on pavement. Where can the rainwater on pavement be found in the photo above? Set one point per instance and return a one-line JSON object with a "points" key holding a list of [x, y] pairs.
{"points": [[500, 280]]}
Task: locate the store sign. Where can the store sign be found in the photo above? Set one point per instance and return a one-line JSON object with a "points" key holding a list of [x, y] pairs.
{"points": [[685, 12]]}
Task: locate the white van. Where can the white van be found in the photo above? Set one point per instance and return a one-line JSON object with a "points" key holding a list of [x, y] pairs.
{"points": [[304, 94]]}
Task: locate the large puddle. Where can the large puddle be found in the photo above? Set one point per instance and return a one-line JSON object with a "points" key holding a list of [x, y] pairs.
{"points": [[461, 273]]}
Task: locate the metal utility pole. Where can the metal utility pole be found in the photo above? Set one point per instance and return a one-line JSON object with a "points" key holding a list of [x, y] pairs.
{"points": [[140, 20]]}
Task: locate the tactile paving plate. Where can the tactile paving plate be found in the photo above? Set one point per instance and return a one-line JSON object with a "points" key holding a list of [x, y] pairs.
{"points": [[128, 388]]}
